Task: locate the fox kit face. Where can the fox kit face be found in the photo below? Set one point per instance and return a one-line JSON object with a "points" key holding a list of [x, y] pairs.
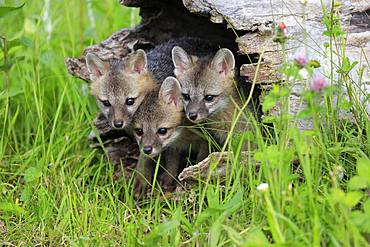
{"points": [[156, 123], [119, 86], [206, 83]]}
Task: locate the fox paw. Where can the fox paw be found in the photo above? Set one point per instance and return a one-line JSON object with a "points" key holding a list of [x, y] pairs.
{"points": [[167, 182], [139, 189]]}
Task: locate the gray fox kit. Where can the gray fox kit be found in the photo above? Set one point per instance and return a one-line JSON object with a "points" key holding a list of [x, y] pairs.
{"points": [[120, 85], [159, 128], [208, 89]]}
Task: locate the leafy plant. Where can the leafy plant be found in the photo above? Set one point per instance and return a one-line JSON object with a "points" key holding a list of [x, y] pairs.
{"points": [[7, 44]]}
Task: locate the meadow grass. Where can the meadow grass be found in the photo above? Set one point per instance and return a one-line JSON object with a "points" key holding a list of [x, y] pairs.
{"points": [[55, 190]]}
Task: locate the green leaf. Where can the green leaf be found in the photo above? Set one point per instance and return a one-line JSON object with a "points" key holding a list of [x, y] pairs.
{"points": [[305, 113], [228, 208], [337, 30], [166, 228], [269, 119], [352, 198], [274, 156], [363, 168], [346, 66], [284, 92], [17, 59], [255, 237], [11, 62], [26, 193], [11, 207], [362, 220], [233, 204], [3, 67], [234, 236], [27, 42], [327, 33], [358, 218], [212, 197], [215, 231], [10, 93], [349, 200], [345, 104], [268, 102], [259, 156], [357, 183], [13, 43], [22, 41], [275, 90], [367, 207], [31, 174], [158, 231], [225, 209], [4, 10], [337, 195]]}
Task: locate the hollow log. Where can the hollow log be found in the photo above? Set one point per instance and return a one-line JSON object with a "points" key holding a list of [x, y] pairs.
{"points": [[248, 28]]}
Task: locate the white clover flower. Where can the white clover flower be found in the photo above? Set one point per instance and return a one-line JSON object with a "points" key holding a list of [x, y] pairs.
{"points": [[263, 187]]}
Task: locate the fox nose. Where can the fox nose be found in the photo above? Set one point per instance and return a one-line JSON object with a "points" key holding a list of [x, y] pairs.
{"points": [[147, 149], [118, 124], [193, 115]]}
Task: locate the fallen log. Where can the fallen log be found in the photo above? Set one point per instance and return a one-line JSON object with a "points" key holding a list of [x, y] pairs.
{"points": [[248, 28]]}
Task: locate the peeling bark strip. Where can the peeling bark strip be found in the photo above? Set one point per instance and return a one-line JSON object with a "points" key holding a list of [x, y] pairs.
{"points": [[203, 170], [247, 28]]}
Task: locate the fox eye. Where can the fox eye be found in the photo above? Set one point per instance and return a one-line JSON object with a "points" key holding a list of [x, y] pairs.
{"points": [[139, 132], [130, 101], [209, 98], [105, 103], [162, 131], [186, 96]]}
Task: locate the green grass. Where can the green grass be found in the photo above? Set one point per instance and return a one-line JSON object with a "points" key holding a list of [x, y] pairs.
{"points": [[55, 190]]}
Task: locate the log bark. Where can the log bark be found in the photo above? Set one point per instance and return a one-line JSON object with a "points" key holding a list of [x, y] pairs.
{"points": [[305, 35], [248, 28]]}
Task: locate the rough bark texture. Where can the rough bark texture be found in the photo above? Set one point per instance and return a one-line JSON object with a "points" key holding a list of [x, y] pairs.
{"points": [[204, 171], [247, 27], [305, 35]]}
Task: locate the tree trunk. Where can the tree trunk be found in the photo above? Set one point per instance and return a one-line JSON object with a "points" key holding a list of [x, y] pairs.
{"points": [[248, 28]]}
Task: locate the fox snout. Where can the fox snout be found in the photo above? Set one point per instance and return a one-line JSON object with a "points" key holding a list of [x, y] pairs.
{"points": [[195, 112], [193, 116], [150, 149], [149, 145], [119, 118], [118, 124], [147, 149]]}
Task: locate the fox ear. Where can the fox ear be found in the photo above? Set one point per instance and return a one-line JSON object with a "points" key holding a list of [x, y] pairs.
{"points": [[223, 62], [96, 66], [181, 60], [136, 62], [170, 92]]}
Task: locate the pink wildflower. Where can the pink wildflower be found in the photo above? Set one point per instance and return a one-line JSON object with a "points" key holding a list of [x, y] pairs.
{"points": [[301, 60], [318, 83], [281, 33], [282, 25]]}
